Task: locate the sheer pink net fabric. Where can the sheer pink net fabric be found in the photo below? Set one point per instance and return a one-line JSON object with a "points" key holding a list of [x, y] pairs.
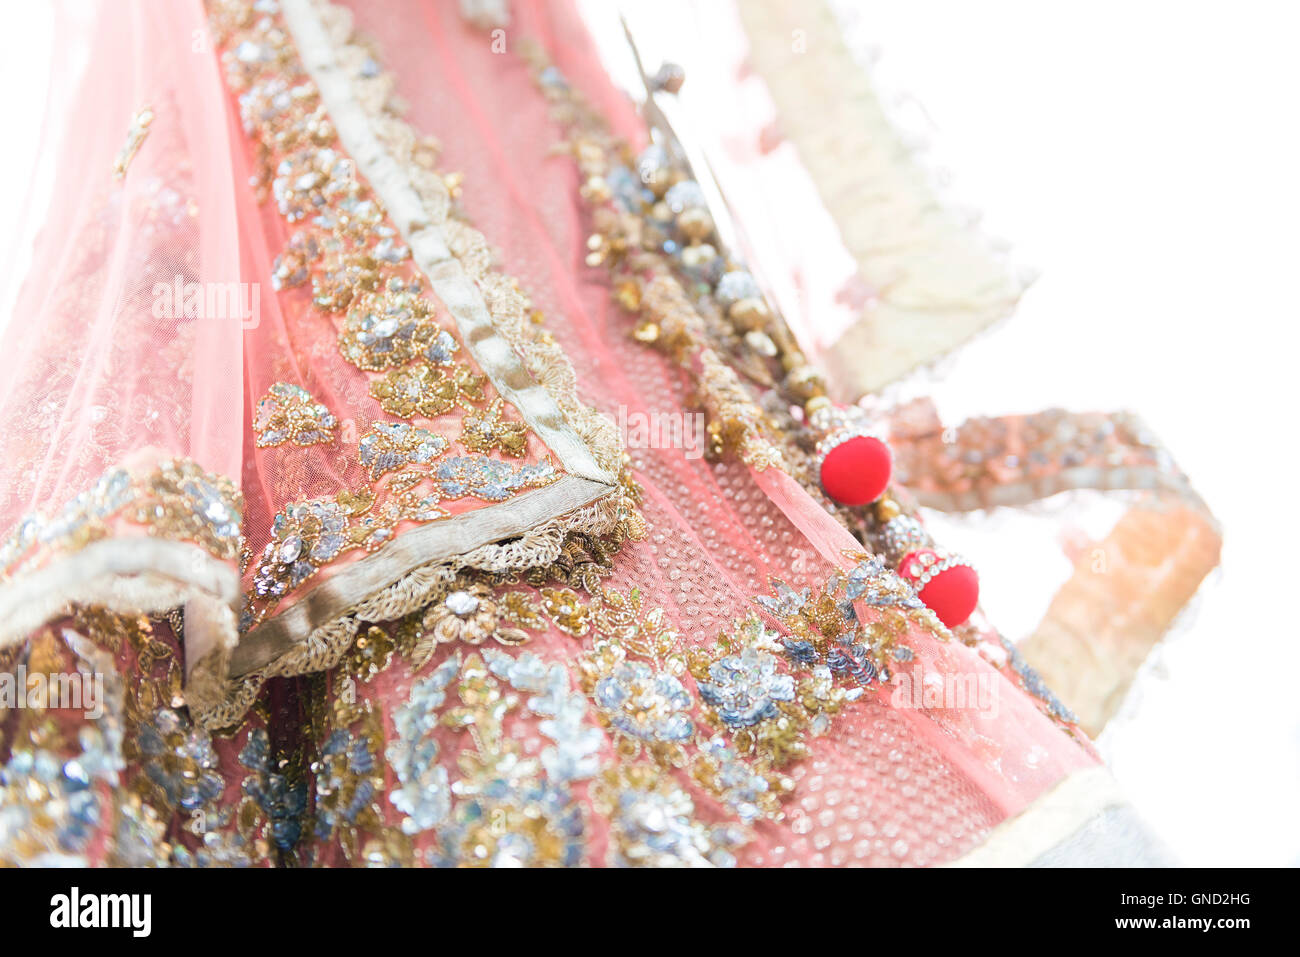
{"points": [[103, 367]]}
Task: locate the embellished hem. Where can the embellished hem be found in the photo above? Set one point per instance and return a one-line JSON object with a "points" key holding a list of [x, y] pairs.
{"points": [[525, 365], [315, 633], [146, 576], [147, 537]]}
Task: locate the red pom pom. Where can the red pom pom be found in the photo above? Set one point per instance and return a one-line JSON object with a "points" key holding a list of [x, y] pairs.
{"points": [[952, 594], [857, 470]]}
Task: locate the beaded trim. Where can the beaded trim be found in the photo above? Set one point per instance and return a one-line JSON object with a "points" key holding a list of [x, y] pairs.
{"points": [[177, 499], [842, 435], [902, 535], [189, 537], [933, 567]]}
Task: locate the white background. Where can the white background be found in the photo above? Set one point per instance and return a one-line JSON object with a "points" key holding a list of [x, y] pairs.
{"points": [[1143, 158]]}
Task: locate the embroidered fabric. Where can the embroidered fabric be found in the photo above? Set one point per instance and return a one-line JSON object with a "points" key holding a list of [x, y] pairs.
{"points": [[697, 665], [715, 533]]}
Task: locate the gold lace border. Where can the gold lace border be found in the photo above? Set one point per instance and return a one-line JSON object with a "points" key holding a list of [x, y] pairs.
{"points": [[420, 547], [312, 633]]}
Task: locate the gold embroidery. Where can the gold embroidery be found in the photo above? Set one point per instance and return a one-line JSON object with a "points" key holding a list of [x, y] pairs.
{"points": [[393, 445], [353, 257], [485, 431], [125, 788], [309, 535], [371, 652], [652, 231], [469, 614], [342, 275], [653, 821], [430, 392], [135, 137], [178, 500], [391, 329], [567, 612], [288, 413]]}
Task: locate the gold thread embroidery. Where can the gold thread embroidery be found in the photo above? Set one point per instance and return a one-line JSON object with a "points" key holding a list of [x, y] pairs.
{"points": [[486, 430], [177, 500], [289, 413], [136, 134], [429, 391], [391, 329], [393, 445]]}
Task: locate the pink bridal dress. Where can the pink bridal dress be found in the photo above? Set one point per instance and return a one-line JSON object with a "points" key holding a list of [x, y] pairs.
{"points": [[410, 466]]}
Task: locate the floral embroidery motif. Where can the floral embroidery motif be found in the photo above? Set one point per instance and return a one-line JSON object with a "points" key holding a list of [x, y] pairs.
{"points": [[653, 822], [567, 611], [292, 267], [745, 689], [442, 349], [573, 753], [281, 798], [756, 707], [489, 479], [341, 276], [389, 330], [518, 824], [466, 614], [308, 535], [310, 180], [510, 816], [139, 785], [393, 445], [427, 390], [505, 810], [190, 778], [424, 795], [362, 278], [826, 629], [766, 713], [752, 795], [485, 431], [731, 715], [178, 501], [349, 779], [288, 413], [646, 705], [50, 806], [183, 772], [371, 653]]}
